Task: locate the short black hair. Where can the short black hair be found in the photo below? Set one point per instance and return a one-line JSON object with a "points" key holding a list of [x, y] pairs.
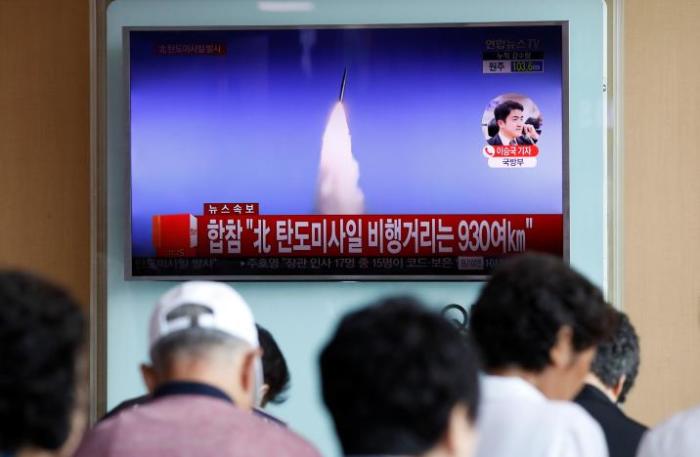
{"points": [[391, 375], [275, 371], [618, 356], [501, 112], [41, 337], [528, 299]]}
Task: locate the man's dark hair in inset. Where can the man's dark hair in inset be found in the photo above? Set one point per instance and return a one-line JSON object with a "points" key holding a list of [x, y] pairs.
{"points": [[391, 376], [503, 110], [529, 298], [617, 357], [41, 335], [275, 371]]}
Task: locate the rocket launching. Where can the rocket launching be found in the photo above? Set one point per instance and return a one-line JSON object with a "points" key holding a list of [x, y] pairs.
{"points": [[342, 85], [339, 189]]}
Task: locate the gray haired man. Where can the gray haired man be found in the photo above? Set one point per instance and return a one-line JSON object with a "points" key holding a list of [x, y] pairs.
{"points": [[203, 377], [612, 375]]}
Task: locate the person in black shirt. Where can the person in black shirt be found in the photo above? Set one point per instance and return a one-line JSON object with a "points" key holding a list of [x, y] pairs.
{"points": [[613, 373]]}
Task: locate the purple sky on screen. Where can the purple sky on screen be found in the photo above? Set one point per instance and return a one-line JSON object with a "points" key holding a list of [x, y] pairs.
{"points": [[247, 126]]}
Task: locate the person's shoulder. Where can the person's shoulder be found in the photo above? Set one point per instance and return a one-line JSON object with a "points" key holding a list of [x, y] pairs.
{"points": [[280, 440], [494, 140], [676, 436], [576, 431], [297, 446], [569, 413], [99, 440], [689, 418], [635, 426], [570, 418], [564, 417], [230, 426], [267, 417], [127, 405], [606, 412]]}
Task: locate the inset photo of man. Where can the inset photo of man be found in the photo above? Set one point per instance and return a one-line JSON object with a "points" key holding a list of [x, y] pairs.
{"points": [[512, 119]]}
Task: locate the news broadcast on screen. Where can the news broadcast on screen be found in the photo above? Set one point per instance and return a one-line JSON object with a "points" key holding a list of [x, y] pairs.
{"points": [[353, 152]]}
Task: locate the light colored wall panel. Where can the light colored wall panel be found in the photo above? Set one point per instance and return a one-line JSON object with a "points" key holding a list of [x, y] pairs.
{"points": [[44, 139], [302, 315], [662, 201]]}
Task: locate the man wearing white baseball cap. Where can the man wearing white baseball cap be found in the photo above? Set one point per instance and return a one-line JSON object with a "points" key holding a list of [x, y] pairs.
{"points": [[203, 376]]}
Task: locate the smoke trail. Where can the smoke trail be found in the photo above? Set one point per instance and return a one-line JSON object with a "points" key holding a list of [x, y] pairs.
{"points": [[338, 173]]}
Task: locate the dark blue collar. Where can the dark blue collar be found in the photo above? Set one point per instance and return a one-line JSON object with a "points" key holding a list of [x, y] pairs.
{"points": [[190, 388]]}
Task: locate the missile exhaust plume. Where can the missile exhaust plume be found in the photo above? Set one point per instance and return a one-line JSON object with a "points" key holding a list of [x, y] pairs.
{"points": [[338, 191]]}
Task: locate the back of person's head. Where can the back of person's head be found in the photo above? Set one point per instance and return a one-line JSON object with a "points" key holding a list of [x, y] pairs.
{"points": [[204, 331], [616, 363], [537, 313], [501, 112], [275, 372], [399, 379], [41, 339]]}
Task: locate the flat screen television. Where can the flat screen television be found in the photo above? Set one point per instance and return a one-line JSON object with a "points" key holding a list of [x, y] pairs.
{"points": [[345, 152]]}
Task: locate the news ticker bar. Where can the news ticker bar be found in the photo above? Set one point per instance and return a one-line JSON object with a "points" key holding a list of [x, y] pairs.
{"points": [[322, 266], [252, 236]]}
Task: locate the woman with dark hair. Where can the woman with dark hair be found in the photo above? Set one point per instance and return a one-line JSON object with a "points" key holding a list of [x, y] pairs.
{"points": [[276, 376]]}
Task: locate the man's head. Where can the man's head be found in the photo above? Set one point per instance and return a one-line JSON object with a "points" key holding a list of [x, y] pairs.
{"points": [[510, 119], [275, 372], [617, 360], [204, 332], [41, 341], [539, 317], [399, 379]]}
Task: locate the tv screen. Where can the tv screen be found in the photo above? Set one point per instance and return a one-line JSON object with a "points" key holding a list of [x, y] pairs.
{"points": [[372, 152]]}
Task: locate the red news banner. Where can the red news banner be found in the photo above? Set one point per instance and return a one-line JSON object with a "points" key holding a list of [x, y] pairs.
{"points": [[248, 234]]}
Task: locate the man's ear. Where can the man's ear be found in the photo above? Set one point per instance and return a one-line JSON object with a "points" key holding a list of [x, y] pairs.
{"points": [[617, 388], [562, 353], [150, 377], [248, 384]]}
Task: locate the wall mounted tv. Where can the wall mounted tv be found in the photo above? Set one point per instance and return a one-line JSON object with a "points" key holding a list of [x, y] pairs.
{"points": [[345, 152]]}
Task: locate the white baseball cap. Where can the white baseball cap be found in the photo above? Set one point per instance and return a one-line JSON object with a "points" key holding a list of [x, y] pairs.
{"points": [[229, 312]]}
